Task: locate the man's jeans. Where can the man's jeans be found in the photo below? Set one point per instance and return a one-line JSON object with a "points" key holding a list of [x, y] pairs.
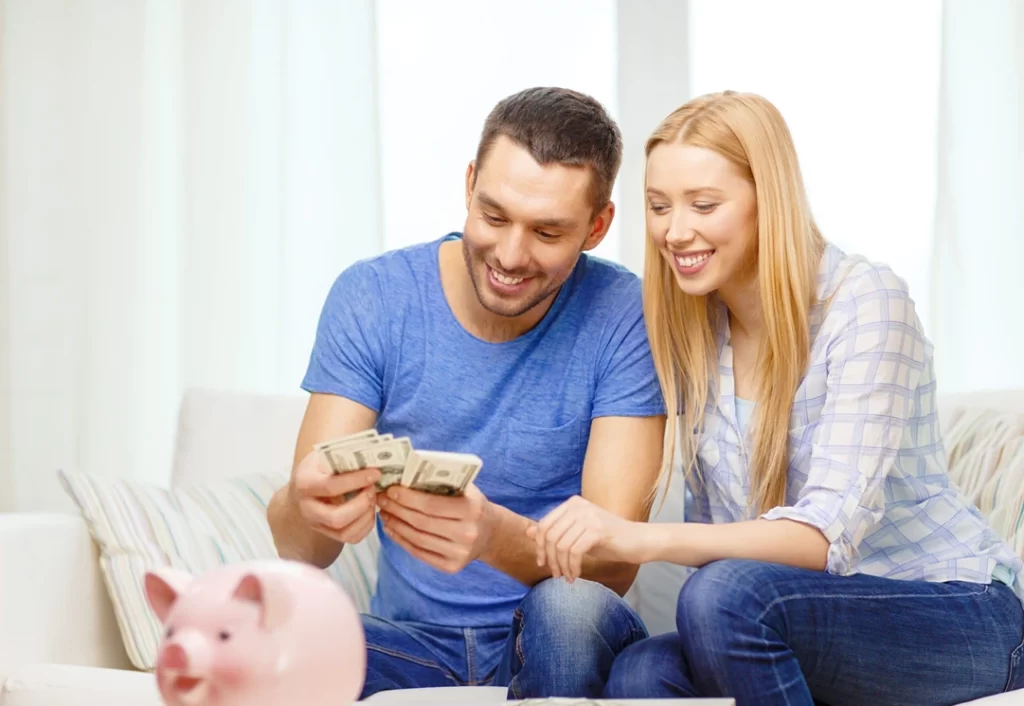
{"points": [[562, 642], [768, 634]]}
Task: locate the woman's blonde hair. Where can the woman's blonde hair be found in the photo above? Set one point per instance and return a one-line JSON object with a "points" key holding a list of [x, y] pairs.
{"points": [[750, 132]]}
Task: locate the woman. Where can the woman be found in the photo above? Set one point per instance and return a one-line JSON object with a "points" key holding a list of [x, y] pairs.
{"points": [[837, 563]]}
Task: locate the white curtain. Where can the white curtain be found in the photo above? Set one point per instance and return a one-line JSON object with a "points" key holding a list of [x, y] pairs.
{"points": [[978, 252], [180, 182]]}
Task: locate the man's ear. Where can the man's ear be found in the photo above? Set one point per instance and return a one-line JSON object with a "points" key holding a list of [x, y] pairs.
{"points": [[470, 182], [599, 227]]}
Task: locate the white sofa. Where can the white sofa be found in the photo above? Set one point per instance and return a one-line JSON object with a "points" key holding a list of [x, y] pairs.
{"points": [[59, 642]]}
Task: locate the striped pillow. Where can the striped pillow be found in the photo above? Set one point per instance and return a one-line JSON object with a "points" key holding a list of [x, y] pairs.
{"points": [[986, 462], [140, 526]]}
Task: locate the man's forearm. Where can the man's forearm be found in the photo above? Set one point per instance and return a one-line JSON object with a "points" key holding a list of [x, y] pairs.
{"points": [[512, 552], [293, 538]]}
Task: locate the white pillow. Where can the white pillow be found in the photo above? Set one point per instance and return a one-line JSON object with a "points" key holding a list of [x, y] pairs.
{"points": [[140, 526]]}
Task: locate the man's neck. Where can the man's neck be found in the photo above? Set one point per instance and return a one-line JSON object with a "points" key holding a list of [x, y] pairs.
{"points": [[469, 312]]}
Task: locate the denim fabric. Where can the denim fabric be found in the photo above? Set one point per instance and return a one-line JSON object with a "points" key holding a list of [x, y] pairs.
{"points": [[768, 634], [562, 641]]}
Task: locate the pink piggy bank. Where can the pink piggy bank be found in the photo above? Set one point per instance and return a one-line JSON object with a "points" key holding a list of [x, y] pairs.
{"points": [[258, 633]]}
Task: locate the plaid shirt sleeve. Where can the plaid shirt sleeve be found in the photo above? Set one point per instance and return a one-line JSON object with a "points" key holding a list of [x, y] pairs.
{"points": [[875, 357]]}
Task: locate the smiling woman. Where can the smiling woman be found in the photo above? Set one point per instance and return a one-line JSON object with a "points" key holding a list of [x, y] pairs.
{"points": [[802, 389]]}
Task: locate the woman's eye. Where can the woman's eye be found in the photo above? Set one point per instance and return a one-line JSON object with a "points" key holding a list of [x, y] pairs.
{"points": [[704, 207], [658, 208]]}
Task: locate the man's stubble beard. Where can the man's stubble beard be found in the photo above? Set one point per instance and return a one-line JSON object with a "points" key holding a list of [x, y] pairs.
{"points": [[534, 301]]}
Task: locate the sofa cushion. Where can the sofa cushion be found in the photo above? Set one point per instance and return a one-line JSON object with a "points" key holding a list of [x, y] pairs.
{"points": [[67, 685], [985, 447], [655, 592], [139, 526], [223, 433]]}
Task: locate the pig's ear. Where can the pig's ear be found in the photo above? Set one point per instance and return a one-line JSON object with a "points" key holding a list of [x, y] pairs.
{"points": [[163, 586], [269, 595]]}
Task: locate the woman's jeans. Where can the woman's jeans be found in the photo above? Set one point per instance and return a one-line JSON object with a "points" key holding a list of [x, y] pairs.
{"points": [[769, 634]]}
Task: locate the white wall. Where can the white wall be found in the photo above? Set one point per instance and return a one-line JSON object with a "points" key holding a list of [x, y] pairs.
{"points": [[442, 67], [652, 80]]}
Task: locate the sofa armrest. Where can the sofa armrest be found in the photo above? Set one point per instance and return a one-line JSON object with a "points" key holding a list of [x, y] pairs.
{"points": [[54, 605]]}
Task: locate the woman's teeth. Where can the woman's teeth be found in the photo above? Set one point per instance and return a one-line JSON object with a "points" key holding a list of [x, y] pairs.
{"points": [[692, 260]]}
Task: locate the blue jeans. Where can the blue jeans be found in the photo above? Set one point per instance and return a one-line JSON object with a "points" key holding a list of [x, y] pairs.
{"points": [[768, 634], [562, 641]]}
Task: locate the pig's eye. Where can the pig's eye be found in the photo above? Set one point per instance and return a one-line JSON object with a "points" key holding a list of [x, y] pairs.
{"points": [[224, 636], [170, 631]]}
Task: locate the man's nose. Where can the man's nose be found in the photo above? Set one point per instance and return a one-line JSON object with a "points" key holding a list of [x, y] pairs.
{"points": [[512, 251]]}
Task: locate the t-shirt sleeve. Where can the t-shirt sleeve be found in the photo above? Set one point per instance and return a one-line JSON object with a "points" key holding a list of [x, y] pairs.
{"points": [[627, 385], [349, 352]]}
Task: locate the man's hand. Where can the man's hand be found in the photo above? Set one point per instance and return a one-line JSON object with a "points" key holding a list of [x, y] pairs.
{"points": [[320, 496], [445, 532]]}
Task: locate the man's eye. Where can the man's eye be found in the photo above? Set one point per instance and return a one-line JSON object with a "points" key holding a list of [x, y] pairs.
{"points": [[493, 220], [546, 236]]}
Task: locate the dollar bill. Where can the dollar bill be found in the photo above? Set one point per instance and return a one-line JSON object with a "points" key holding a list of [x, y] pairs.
{"points": [[338, 445], [352, 453], [348, 438], [441, 472], [438, 472], [389, 456]]}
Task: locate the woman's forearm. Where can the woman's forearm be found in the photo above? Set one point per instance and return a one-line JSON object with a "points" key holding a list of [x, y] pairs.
{"points": [[775, 541]]}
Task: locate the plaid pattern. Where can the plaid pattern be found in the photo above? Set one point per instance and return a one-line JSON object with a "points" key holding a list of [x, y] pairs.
{"points": [[867, 463]]}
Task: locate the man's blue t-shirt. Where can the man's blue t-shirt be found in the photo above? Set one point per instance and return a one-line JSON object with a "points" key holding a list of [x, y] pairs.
{"points": [[387, 339]]}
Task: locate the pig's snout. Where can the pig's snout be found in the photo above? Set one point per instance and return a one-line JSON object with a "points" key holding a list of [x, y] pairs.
{"points": [[188, 652], [184, 664], [174, 657]]}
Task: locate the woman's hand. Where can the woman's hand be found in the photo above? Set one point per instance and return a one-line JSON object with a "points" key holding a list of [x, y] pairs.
{"points": [[577, 528]]}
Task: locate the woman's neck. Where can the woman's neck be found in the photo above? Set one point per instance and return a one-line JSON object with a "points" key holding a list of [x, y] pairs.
{"points": [[745, 331], [744, 303]]}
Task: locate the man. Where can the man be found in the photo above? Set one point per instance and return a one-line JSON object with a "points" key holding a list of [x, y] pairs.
{"points": [[507, 342]]}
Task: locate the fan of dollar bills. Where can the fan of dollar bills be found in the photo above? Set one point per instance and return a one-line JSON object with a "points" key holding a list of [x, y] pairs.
{"points": [[438, 472]]}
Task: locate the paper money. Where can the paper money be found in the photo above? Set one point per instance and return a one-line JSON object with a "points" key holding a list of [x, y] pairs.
{"points": [[349, 438], [438, 472], [337, 448], [388, 455]]}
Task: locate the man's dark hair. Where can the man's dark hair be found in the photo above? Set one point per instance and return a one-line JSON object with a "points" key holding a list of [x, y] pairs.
{"points": [[559, 126]]}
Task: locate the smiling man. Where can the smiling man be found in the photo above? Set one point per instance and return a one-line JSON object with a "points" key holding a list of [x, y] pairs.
{"points": [[511, 342]]}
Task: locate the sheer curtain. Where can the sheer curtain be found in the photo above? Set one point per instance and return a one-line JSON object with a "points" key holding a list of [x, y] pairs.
{"points": [[860, 99], [180, 182], [978, 250]]}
